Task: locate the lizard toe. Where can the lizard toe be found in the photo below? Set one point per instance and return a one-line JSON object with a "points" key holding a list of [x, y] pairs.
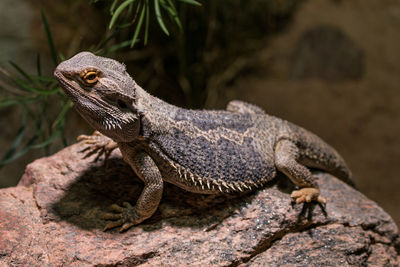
{"points": [[97, 144], [116, 208], [111, 216], [307, 194], [111, 225], [124, 216], [126, 226]]}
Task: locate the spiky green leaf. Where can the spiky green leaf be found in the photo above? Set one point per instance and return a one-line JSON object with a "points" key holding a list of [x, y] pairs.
{"points": [[159, 17], [118, 12]]}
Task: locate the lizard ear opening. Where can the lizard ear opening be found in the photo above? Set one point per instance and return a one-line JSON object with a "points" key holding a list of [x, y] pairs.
{"points": [[125, 104]]}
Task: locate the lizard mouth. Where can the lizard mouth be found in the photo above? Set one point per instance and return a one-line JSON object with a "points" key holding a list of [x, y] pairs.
{"points": [[74, 90], [69, 86], [97, 112], [86, 104]]}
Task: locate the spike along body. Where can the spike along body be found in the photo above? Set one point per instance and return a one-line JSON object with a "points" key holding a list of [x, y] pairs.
{"points": [[202, 151]]}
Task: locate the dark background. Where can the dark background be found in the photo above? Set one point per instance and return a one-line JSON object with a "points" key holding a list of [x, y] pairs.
{"points": [[332, 67]]}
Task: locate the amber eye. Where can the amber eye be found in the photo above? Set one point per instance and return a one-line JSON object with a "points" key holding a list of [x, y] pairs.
{"points": [[90, 77]]}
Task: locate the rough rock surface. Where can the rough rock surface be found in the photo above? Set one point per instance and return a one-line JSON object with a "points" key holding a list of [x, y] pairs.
{"points": [[52, 218]]}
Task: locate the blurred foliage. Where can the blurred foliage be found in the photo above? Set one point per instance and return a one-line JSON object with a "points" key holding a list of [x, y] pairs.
{"points": [[191, 68], [219, 44], [33, 93], [138, 11]]}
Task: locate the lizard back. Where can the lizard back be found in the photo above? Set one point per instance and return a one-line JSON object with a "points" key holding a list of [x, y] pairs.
{"points": [[220, 147]]}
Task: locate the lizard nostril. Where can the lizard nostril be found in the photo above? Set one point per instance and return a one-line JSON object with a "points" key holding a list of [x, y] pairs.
{"points": [[67, 75]]}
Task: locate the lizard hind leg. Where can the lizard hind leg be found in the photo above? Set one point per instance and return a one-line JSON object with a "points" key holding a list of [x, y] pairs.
{"points": [[243, 107], [97, 144], [286, 154]]}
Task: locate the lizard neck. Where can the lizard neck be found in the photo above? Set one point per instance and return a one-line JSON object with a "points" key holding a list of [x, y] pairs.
{"points": [[156, 115]]}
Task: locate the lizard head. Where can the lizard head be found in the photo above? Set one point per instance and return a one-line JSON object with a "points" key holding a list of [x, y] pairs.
{"points": [[103, 93]]}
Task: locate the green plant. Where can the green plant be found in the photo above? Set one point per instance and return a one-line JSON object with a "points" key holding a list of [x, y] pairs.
{"points": [[33, 93], [137, 12]]}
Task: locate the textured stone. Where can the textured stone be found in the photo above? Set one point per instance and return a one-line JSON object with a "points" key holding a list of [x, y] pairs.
{"points": [[52, 218], [326, 52]]}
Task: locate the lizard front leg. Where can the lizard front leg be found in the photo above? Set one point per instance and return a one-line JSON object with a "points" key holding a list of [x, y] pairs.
{"points": [[286, 155], [149, 199]]}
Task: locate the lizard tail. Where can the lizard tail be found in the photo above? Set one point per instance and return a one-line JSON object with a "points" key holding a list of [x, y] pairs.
{"points": [[344, 174], [316, 153]]}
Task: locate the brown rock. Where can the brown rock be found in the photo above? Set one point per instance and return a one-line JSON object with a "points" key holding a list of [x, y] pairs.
{"points": [[52, 219], [326, 52]]}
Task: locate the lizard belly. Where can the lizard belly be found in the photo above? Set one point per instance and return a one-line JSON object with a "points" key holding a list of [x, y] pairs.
{"points": [[223, 161]]}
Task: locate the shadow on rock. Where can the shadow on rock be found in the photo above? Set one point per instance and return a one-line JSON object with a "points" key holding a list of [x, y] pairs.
{"points": [[101, 185]]}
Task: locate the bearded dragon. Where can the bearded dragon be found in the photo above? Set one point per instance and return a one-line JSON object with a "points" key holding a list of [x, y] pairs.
{"points": [[202, 151]]}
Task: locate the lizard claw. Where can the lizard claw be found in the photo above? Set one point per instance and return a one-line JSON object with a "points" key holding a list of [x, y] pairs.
{"points": [[97, 144], [111, 225], [126, 226], [125, 217], [307, 194]]}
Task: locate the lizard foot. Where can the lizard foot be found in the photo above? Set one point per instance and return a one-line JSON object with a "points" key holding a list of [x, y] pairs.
{"points": [[307, 194], [125, 217], [97, 144]]}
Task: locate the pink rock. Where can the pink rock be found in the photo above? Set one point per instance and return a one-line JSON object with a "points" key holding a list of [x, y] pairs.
{"points": [[52, 218]]}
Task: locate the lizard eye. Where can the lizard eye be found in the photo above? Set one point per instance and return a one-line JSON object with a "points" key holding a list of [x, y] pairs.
{"points": [[90, 77]]}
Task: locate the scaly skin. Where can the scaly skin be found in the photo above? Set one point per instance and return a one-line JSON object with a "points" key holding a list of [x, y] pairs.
{"points": [[202, 151]]}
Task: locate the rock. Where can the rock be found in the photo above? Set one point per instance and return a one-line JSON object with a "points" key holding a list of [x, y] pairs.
{"points": [[326, 52], [52, 218]]}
